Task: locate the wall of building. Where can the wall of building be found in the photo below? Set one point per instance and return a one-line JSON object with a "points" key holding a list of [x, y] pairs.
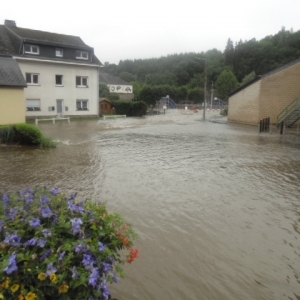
{"points": [[12, 106], [244, 106], [278, 91], [48, 92]]}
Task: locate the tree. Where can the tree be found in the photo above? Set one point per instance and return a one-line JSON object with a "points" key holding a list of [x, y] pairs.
{"points": [[103, 90], [229, 52], [225, 84], [248, 78]]}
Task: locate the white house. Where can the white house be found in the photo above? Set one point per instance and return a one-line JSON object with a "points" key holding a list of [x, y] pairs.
{"points": [[61, 71]]}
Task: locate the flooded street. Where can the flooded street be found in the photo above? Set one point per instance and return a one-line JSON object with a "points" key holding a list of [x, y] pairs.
{"points": [[216, 206]]}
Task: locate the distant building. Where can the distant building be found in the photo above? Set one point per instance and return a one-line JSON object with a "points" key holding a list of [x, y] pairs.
{"points": [[117, 85], [266, 96], [105, 107], [61, 71], [12, 96]]}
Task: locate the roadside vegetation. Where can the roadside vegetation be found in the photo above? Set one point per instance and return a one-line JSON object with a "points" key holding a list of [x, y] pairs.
{"points": [[24, 134], [182, 76]]}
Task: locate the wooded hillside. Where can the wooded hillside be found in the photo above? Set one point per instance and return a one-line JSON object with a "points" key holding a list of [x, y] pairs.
{"points": [[182, 76]]}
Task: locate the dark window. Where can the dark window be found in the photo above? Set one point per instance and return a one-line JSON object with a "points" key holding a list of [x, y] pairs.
{"points": [[82, 104], [81, 81], [82, 55], [32, 78], [58, 79]]}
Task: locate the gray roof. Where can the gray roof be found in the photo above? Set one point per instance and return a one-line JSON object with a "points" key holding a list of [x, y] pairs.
{"points": [[110, 79], [12, 39], [10, 73]]}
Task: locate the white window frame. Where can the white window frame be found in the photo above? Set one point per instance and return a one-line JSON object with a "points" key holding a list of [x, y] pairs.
{"points": [[82, 107], [31, 82], [31, 47], [81, 84], [61, 80], [79, 55], [59, 52], [33, 104]]}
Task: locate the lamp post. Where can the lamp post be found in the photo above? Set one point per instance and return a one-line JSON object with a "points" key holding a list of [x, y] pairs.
{"points": [[204, 109]]}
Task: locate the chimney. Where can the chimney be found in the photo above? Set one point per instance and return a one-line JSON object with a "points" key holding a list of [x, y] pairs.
{"points": [[10, 23]]}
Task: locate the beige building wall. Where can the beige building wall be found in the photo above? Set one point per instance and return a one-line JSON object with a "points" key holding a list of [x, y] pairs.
{"points": [[12, 106], [47, 91], [278, 91], [243, 106]]}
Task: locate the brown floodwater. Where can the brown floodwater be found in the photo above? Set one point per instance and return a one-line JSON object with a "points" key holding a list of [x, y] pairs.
{"points": [[216, 206]]}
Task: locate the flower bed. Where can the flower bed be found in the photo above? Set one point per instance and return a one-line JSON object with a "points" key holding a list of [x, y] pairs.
{"points": [[56, 247]]}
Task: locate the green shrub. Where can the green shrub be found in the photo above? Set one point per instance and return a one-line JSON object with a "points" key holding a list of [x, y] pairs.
{"points": [[130, 108], [47, 142], [224, 112], [6, 134], [27, 134], [55, 246]]}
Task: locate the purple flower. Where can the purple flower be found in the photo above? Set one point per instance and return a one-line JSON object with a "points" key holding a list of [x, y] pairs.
{"points": [[88, 261], [107, 267], [6, 200], [1, 225], [12, 213], [50, 269], [76, 222], [115, 278], [12, 240], [35, 223], [46, 212], [29, 198], [75, 208], [103, 287], [12, 266], [81, 249], [55, 192], [45, 200], [31, 242], [62, 255], [94, 277], [55, 219], [41, 243], [46, 233], [102, 247], [45, 255], [75, 273]]}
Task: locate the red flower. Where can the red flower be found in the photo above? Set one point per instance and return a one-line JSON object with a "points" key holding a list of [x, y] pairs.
{"points": [[134, 253]]}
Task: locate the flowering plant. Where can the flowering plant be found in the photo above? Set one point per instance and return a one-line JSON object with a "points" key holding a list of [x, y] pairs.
{"points": [[55, 247]]}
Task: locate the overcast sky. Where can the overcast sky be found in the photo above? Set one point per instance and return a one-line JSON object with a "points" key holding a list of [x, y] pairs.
{"points": [[137, 29]]}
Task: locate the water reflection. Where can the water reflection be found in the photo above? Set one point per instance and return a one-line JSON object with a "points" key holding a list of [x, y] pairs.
{"points": [[216, 205]]}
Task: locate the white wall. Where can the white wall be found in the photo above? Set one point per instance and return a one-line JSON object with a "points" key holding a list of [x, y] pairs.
{"points": [[48, 92]]}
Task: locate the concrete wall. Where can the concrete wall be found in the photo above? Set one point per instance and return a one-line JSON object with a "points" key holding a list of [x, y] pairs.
{"points": [[12, 106], [244, 106], [48, 92], [278, 91]]}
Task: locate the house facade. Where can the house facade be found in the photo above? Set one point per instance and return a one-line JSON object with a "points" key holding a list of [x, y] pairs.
{"points": [[117, 86], [61, 72], [266, 96], [12, 95]]}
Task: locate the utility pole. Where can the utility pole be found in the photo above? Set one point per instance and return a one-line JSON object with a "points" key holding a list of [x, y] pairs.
{"points": [[212, 94]]}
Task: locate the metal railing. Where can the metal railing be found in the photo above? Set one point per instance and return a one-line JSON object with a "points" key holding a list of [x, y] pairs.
{"points": [[288, 111]]}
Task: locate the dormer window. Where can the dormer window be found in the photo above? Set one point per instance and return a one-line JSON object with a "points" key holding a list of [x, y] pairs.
{"points": [[82, 55], [59, 52], [31, 49]]}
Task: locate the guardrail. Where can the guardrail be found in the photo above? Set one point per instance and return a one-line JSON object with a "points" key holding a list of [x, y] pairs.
{"points": [[51, 119], [113, 116]]}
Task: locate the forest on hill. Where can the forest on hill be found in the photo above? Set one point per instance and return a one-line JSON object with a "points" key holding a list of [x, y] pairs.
{"points": [[182, 76]]}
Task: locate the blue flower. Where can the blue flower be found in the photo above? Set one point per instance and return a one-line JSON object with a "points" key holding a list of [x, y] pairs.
{"points": [[107, 267], [45, 200], [55, 192], [62, 255], [31, 242], [81, 249], [46, 233], [41, 243], [88, 261], [55, 219], [76, 222], [6, 200], [75, 273], [102, 247], [75, 208], [103, 287], [12, 213], [35, 223], [94, 277], [50, 269], [12, 240], [46, 212], [1, 225], [12, 266], [45, 255], [115, 278]]}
